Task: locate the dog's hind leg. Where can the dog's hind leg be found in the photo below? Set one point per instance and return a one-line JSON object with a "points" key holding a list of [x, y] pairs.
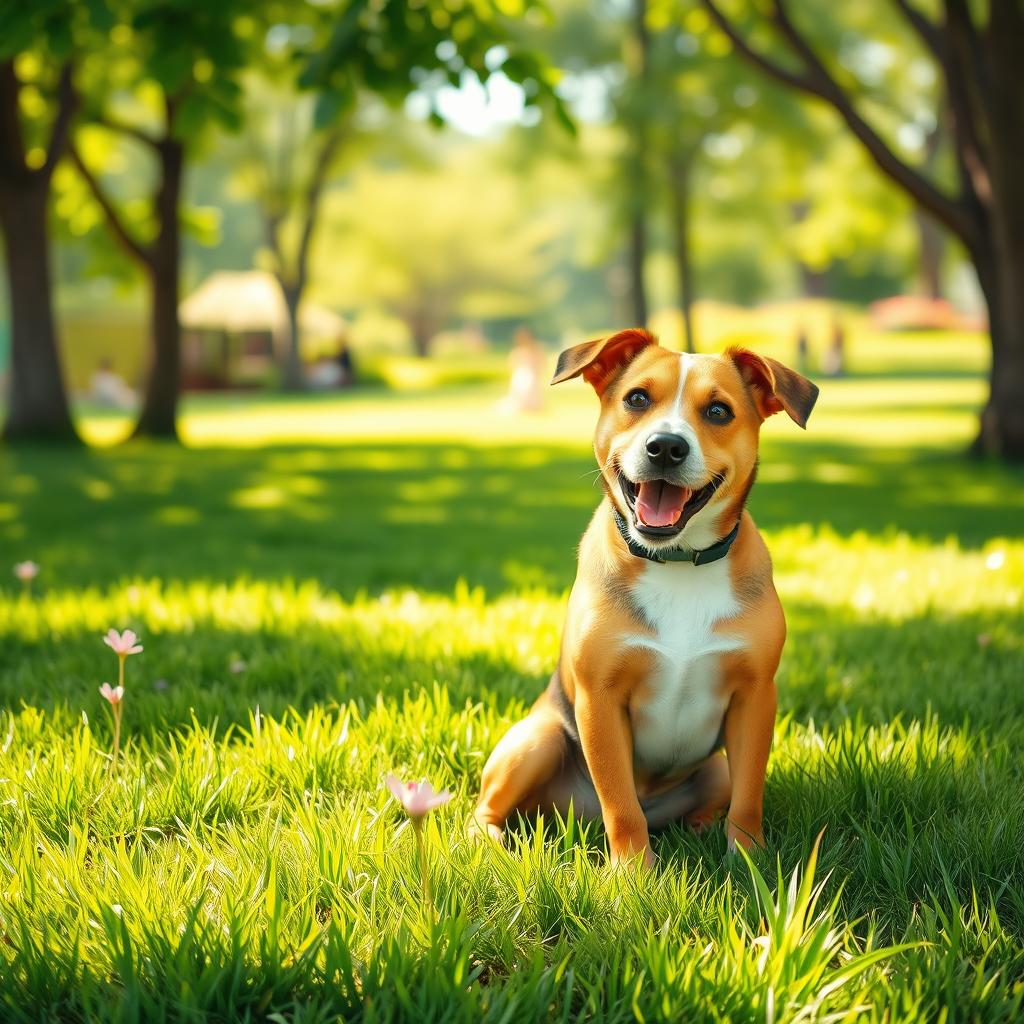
{"points": [[698, 799], [528, 756]]}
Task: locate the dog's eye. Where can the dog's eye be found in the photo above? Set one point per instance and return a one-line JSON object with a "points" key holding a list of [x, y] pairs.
{"points": [[638, 400], [718, 412]]}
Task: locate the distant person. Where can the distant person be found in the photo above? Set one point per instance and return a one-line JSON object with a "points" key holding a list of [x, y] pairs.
{"points": [[526, 379], [109, 388], [803, 350], [346, 366], [325, 375], [834, 363]]}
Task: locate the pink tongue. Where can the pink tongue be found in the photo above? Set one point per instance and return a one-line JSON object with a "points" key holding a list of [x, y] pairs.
{"points": [[661, 504]]}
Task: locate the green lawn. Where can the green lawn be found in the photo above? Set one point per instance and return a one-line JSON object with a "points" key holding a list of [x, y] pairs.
{"points": [[333, 588]]}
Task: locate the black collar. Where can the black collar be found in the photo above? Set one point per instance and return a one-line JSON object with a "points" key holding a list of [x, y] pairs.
{"points": [[711, 554]]}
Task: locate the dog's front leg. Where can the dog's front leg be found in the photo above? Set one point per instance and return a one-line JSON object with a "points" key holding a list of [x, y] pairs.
{"points": [[749, 728], [607, 741]]}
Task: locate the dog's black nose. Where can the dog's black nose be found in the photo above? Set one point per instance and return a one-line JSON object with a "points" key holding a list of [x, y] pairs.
{"points": [[667, 450]]}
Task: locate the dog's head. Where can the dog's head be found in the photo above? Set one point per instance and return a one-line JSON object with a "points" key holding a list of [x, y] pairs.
{"points": [[677, 436]]}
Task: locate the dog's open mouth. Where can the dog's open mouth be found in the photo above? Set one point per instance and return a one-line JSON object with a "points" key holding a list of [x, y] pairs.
{"points": [[662, 509]]}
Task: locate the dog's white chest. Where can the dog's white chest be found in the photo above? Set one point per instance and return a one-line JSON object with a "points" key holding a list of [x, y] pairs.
{"points": [[677, 717]]}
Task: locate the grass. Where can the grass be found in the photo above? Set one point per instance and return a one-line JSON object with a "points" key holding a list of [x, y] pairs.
{"points": [[332, 589]]}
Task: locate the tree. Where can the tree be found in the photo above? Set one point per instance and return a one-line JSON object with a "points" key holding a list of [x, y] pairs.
{"points": [[411, 248], [284, 163], [172, 73], [389, 50], [978, 62], [292, 276], [676, 96], [37, 103], [694, 101], [686, 97], [635, 109], [931, 239]]}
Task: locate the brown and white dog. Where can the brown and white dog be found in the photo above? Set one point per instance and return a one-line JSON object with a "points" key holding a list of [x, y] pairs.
{"points": [[674, 629]]}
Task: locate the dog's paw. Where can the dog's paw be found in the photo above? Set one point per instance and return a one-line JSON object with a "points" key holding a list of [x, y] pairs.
{"points": [[701, 821], [751, 838], [643, 858], [478, 831]]}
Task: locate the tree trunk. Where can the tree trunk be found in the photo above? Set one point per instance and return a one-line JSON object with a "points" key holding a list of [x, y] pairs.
{"points": [[1000, 273], [160, 406], [637, 184], [292, 378], [679, 184], [1000, 264], [997, 417], [159, 415], [931, 237], [813, 283], [292, 278], [38, 406], [932, 244], [421, 329], [1003, 419], [637, 256]]}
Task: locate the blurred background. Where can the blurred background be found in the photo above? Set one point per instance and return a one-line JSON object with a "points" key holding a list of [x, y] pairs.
{"points": [[378, 197]]}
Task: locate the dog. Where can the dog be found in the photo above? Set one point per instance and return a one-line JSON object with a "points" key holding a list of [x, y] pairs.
{"points": [[662, 707]]}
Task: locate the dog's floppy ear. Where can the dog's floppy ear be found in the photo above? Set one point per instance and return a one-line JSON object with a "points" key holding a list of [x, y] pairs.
{"points": [[775, 387], [597, 360]]}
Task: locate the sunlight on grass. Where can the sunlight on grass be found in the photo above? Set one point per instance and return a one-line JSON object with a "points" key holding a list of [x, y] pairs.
{"points": [[937, 414], [435, 407]]}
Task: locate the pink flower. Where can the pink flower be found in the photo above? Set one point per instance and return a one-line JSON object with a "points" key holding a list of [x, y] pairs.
{"points": [[26, 571], [122, 644], [113, 694], [417, 798]]}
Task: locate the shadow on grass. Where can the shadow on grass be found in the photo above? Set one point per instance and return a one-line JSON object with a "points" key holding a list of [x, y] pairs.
{"points": [[374, 517], [836, 667]]}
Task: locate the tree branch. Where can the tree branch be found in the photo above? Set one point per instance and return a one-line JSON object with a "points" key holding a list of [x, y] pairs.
{"points": [[272, 232], [172, 104], [818, 81], [113, 125], [769, 67], [313, 194], [67, 104], [967, 87], [12, 144], [117, 226], [960, 27], [928, 31], [954, 46]]}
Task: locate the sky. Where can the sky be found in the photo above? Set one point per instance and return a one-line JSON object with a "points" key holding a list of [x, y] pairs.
{"points": [[481, 110]]}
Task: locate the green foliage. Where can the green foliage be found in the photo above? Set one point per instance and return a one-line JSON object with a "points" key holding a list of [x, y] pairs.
{"points": [[50, 28], [775, 175], [163, 70], [434, 244], [39, 38], [390, 48], [185, 52], [306, 631]]}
